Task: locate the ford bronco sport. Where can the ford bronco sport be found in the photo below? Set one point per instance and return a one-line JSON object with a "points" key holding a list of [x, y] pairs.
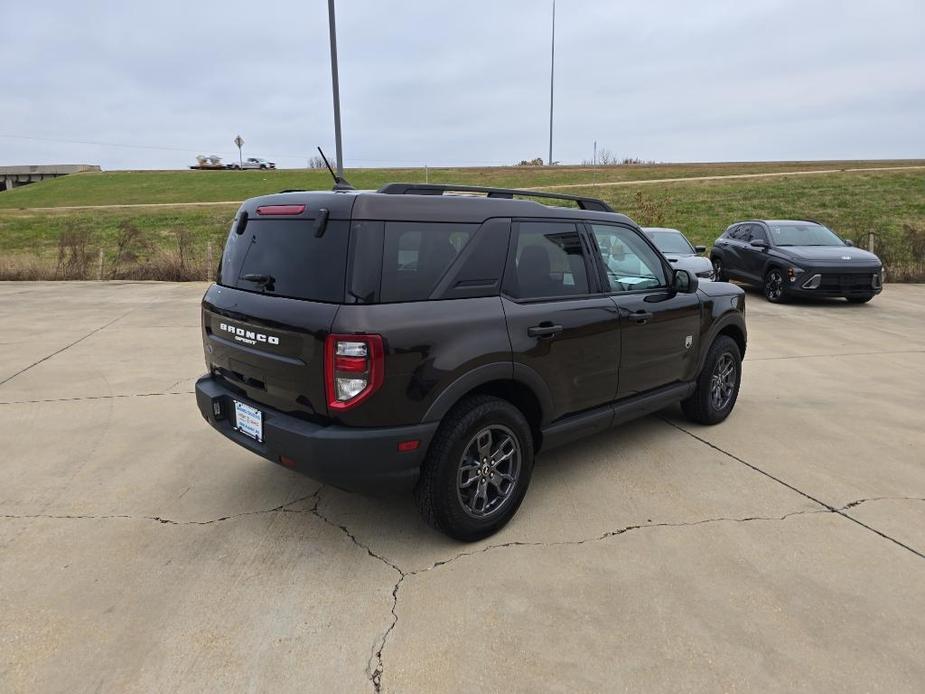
{"points": [[411, 337]]}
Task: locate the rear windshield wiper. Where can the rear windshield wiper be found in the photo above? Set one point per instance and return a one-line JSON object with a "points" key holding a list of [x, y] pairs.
{"points": [[267, 282]]}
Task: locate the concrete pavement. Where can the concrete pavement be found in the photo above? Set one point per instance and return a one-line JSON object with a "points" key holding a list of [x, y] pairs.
{"points": [[141, 551]]}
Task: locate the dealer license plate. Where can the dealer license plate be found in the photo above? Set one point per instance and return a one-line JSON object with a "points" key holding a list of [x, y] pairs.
{"points": [[248, 420]]}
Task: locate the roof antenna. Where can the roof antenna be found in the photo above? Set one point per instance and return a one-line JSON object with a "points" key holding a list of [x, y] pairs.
{"points": [[339, 183]]}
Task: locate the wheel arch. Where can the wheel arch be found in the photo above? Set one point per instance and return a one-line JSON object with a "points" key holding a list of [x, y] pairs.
{"points": [[731, 325], [736, 333], [518, 384]]}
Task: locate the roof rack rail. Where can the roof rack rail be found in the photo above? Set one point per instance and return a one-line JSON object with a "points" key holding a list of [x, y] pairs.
{"points": [[509, 193]]}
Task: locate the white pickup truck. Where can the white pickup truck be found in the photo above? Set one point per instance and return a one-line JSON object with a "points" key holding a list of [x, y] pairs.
{"points": [[253, 163]]}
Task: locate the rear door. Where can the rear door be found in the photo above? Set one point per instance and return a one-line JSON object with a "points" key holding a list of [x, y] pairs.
{"points": [[561, 325], [660, 327], [265, 321]]}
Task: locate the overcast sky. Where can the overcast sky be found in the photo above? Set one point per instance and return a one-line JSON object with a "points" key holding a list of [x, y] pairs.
{"points": [[462, 83]]}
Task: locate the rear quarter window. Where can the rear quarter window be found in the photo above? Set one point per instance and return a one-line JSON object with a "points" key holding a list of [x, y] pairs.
{"points": [[416, 255], [283, 257]]}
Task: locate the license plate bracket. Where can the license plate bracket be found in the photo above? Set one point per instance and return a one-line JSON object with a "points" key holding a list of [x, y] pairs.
{"points": [[248, 421]]}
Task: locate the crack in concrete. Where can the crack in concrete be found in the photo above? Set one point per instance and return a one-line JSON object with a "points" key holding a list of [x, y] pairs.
{"points": [[858, 502], [80, 398], [374, 665], [828, 507], [160, 519], [613, 533]]}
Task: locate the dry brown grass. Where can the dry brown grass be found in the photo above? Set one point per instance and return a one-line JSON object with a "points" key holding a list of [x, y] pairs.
{"points": [[134, 257]]}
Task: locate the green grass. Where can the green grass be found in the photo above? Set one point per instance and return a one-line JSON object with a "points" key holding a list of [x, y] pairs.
{"points": [[891, 203], [139, 187]]}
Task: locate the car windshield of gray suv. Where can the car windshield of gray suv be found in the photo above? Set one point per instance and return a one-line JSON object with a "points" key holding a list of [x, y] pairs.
{"points": [[803, 234], [670, 242]]}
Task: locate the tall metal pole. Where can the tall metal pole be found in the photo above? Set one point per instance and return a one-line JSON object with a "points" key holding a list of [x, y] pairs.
{"points": [[552, 74], [333, 33]]}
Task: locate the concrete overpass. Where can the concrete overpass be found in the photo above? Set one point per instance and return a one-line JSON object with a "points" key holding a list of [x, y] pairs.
{"points": [[12, 176]]}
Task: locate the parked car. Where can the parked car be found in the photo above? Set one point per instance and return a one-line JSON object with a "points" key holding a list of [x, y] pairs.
{"points": [[789, 258], [680, 252], [253, 163], [374, 340]]}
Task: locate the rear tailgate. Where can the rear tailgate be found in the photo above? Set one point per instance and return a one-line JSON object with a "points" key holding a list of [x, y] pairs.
{"points": [[280, 283], [269, 348]]}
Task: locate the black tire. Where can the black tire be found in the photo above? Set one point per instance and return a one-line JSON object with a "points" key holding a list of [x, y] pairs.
{"points": [[859, 299], [440, 495], [774, 288], [719, 270], [702, 406]]}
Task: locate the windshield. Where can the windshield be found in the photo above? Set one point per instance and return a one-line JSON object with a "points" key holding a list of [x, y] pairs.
{"points": [[802, 234], [284, 258], [670, 242]]}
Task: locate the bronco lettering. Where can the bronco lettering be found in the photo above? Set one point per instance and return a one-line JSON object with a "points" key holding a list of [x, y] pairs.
{"points": [[248, 336]]}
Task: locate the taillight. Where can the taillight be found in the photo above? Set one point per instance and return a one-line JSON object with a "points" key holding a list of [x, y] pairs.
{"points": [[353, 366]]}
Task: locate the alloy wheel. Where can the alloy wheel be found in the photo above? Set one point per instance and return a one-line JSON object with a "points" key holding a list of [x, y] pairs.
{"points": [[722, 382], [488, 471], [774, 286]]}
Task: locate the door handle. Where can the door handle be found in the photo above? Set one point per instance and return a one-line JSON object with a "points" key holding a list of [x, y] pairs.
{"points": [[544, 330], [640, 316]]}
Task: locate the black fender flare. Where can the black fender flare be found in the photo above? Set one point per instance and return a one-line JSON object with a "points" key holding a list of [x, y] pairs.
{"points": [[733, 318], [486, 373]]}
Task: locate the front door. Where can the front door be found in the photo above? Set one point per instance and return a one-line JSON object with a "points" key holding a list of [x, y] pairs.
{"points": [[660, 327], [561, 324], [754, 256]]}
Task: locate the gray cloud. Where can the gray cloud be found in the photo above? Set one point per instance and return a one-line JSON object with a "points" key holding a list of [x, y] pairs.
{"points": [[462, 83]]}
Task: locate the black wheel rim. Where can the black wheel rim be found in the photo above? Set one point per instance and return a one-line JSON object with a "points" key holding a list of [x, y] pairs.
{"points": [[488, 471], [718, 269], [722, 382], [774, 286]]}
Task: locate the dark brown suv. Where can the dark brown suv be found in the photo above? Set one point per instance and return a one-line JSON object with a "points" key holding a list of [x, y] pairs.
{"points": [[410, 337]]}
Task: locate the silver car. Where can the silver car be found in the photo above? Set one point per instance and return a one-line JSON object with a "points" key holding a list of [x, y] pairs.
{"points": [[680, 252]]}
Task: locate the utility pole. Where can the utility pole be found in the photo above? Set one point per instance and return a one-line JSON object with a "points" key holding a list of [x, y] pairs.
{"points": [[552, 74], [337, 143]]}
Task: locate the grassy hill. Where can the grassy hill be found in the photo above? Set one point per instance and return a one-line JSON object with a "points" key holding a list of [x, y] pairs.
{"points": [[172, 240]]}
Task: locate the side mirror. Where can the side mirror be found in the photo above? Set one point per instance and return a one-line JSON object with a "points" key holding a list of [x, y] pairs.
{"points": [[684, 282], [700, 249], [849, 242], [758, 243]]}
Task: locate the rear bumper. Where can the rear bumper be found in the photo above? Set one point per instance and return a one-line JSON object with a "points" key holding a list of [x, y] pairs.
{"points": [[357, 459]]}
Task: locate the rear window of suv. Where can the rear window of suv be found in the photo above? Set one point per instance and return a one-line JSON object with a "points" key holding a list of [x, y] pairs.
{"points": [[283, 257]]}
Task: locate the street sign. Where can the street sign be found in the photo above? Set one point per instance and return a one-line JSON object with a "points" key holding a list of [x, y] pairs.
{"points": [[238, 140]]}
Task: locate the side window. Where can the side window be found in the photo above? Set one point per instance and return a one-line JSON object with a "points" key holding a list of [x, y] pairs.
{"points": [[416, 255], [548, 262], [734, 232], [758, 232], [630, 262], [745, 232]]}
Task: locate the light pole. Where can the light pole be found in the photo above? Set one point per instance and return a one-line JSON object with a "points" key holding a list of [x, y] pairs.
{"points": [[337, 144], [552, 74]]}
